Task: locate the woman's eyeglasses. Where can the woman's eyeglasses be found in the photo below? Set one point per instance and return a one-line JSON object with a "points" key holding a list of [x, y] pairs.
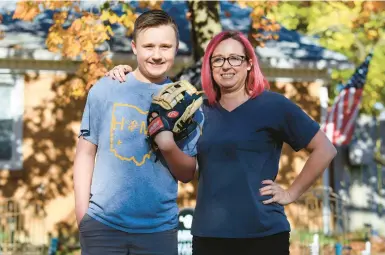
{"points": [[232, 60]]}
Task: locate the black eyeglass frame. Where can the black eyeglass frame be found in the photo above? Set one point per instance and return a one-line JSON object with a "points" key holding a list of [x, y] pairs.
{"points": [[228, 60]]}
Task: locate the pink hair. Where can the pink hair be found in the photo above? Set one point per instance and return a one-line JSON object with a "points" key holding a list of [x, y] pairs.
{"points": [[255, 81]]}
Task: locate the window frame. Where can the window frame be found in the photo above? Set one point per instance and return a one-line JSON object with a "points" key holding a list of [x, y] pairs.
{"points": [[17, 113]]}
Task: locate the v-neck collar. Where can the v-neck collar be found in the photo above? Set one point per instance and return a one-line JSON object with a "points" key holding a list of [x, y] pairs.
{"points": [[222, 109]]}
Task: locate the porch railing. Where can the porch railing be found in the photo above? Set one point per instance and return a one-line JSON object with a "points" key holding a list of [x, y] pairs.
{"points": [[20, 234]]}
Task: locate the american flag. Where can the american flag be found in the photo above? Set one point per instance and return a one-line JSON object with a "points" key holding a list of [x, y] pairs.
{"points": [[340, 119]]}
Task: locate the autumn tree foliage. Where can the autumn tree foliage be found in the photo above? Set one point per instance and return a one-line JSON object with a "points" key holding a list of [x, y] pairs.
{"points": [[350, 27], [353, 28], [80, 34], [262, 28]]}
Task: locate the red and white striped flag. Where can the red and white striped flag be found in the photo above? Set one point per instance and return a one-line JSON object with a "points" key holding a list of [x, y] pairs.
{"points": [[341, 118]]}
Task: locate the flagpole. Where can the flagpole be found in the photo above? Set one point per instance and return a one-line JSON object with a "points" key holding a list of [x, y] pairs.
{"points": [[339, 127], [324, 98]]}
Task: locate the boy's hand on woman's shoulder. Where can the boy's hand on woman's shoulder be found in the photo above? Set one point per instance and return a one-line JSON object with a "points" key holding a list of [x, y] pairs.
{"points": [[119, 72]]}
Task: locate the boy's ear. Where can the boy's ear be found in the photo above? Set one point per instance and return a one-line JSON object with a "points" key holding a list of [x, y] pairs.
{"points": [[133, 46]]}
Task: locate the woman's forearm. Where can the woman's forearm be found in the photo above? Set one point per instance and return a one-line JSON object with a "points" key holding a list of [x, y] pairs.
{"points": [[318, 161]]}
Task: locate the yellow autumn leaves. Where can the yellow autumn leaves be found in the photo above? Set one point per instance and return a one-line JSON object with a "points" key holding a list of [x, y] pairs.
{"points": [[78, 35]]}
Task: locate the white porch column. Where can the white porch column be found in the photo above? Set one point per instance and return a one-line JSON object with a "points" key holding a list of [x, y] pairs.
{"points": [[324, 98]]}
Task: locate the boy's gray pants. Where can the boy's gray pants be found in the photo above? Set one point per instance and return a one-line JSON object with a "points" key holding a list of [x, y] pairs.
{"points": [[97, 238]]}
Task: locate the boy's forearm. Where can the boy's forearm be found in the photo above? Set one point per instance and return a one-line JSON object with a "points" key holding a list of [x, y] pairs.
{"points": [[181, 165], [83, 171]]}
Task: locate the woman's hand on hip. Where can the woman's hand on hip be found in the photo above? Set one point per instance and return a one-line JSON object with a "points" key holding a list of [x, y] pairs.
{"points": [[279, 195]]}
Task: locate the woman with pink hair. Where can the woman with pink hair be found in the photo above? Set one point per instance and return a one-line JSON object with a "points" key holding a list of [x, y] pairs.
{"points": [[239, 206]]}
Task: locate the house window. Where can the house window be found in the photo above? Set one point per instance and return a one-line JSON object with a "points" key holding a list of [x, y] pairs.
{"points": [[11, 121], [6, 122]]}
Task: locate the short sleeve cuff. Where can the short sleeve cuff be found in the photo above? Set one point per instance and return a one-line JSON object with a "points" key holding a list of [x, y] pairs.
{"points": [[86, 135], [312, 130]]}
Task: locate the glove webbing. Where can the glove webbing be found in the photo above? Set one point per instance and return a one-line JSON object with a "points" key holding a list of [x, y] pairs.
{"points": [[171, 95], [193, 107]]}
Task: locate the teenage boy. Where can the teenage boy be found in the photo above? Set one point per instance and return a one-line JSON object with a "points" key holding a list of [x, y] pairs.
{"points": [[131, 208]]}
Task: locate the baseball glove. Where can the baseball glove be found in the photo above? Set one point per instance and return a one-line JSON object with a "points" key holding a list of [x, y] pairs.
{"points": [[173, 109]]}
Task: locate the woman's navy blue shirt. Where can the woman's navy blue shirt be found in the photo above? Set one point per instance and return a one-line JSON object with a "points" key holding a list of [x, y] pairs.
{"points": [[238, 150]]}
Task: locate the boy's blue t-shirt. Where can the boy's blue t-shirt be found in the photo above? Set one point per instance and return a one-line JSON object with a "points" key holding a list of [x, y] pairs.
{"points": [[130, 191], [238, 150]]}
